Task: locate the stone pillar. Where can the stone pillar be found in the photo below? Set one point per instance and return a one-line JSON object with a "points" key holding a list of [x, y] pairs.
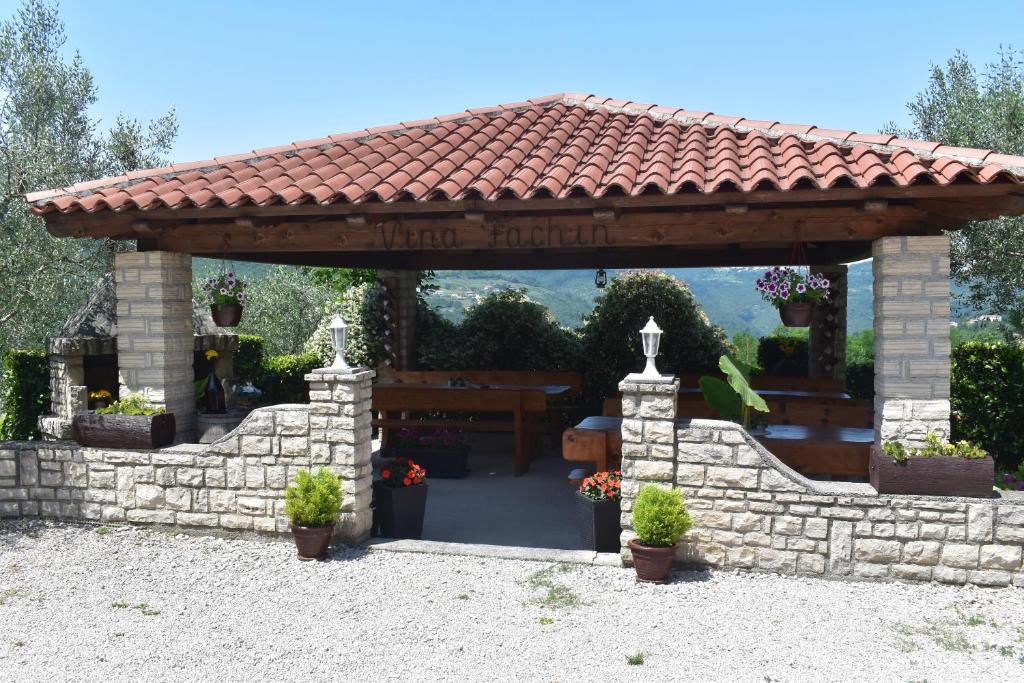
{"points": [[401, 288], [154, 332], [827, 340], [911, 311], [339, 433], [648, 441]]}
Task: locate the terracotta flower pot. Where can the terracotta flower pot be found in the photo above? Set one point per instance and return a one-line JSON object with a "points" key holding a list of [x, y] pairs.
{"points": [[312, 542], [797, 313], [226, 315], [652, 564]]}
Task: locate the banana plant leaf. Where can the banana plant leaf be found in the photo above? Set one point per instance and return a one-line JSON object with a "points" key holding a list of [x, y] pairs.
{"points": [[739, 383], [722, 398]]}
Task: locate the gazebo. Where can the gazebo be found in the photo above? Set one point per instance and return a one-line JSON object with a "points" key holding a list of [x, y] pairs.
{"points": [[565, 181]]}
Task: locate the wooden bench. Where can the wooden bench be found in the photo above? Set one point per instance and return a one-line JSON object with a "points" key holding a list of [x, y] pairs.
{"points": [[595, 439], [406, 400]]}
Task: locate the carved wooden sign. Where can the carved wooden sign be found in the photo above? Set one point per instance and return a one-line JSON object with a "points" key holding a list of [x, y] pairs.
{"points": [[498, 235]]}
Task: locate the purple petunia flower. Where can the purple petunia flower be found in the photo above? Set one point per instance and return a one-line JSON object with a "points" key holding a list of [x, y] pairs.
{"points": [[824, 283], [772, 288], [223, 291], [801, 288]]}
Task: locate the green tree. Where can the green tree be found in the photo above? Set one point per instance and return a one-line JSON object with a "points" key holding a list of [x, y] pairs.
{"points": [[965, 108], [48, 138]]}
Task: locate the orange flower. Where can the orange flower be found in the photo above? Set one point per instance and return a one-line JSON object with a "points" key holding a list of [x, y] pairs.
{"points": [[406, 481], [385, 473]]}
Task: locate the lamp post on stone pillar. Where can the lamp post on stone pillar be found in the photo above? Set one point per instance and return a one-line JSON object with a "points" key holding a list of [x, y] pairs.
{"points": [[648, 430], [340, 434]]}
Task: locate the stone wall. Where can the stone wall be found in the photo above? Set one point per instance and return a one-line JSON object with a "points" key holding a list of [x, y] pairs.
{"points": [[235, 483], [911, 321], [752, 512]]}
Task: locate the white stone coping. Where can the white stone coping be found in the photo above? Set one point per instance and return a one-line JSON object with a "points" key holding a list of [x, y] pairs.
{"points": [[339, 375], [835, 488]]}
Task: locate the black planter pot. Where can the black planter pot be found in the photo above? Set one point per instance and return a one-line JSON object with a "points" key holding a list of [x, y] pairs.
{"points": [[438, 462], [599, 523], [398, 512], [226, 315], [797, 313]]}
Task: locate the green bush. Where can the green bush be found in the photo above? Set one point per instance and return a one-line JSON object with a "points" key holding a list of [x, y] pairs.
{"points": [[283, 378], [507, 331], [362, 308], [783, 355], [248, 359], [610, 335], [313, 500], [437, 339], [132, 404], [860, 380], [660, 516], [987, 386], [26, 394]]}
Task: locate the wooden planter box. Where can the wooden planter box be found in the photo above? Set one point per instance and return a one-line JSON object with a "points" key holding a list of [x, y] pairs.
{"points": [[931, 476], [438, 462], [124, 431]]}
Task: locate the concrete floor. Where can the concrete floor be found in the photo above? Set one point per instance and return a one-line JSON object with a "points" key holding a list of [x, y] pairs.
{"points": [[492, 506]]}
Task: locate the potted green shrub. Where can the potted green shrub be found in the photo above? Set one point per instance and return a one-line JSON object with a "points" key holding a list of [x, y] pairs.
{"points": [[399, 499], [227, 294], [441, 452], [312, 503], [659, 518], [597, 502], [132, 422], [936, 469]]}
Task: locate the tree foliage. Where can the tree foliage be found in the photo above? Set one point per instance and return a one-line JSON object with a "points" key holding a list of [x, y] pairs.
{"points": [[48, 138], [965, 108]]}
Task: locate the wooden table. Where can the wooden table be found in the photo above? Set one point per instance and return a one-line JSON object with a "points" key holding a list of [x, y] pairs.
{"points": [[837, 451], [818, 450], [517, 400]]}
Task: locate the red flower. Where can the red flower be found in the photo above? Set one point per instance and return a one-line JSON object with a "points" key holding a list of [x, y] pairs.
{"points": [[385, 473]]}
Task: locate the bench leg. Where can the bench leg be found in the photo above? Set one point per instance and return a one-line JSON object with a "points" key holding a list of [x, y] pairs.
{"points": [[521, 463]]}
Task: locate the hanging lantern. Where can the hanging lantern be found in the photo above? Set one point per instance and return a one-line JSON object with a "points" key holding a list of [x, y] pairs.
{"points": [[601, 278]]}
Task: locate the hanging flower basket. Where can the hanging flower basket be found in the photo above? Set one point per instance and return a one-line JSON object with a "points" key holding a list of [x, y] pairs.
{"points": [[227, 294], [795, 295]]}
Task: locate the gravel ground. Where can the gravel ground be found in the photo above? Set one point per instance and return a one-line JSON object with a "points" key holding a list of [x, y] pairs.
{"points": [[89, 603]]}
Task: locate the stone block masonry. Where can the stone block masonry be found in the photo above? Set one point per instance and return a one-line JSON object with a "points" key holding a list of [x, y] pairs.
{"points": [[236, 483], [911, 321], [154, 332], [751, 511]]}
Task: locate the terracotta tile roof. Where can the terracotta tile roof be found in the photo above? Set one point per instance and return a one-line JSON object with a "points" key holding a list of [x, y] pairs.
{"points": [[563, 145]]}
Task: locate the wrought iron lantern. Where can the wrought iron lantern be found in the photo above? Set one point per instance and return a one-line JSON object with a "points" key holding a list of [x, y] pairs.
{"points": [[338, 332], [601, 278], [651, 337]]}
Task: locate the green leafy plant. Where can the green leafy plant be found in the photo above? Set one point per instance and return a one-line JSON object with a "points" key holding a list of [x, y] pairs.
{"points": [[660, 516], [934, 447], [225, 289], [248, 360], [132, 404], [610, 335], [986, 388], [26, 393], [636, 659], [734, 400], [283, 378], [313, 500]]}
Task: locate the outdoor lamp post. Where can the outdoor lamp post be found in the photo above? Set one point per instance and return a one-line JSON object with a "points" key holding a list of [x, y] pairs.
{"points": [[338, 329], [651, 336]]}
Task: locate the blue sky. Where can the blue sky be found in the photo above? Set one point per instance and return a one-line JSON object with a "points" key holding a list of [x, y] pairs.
{"points": [[254, 74]]}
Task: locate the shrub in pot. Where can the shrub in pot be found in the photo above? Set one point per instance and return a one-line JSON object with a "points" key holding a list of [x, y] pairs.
{"points": [[597, 502], [312, 502], [659, 518], [936, 469], [132, 422], [399, 499]]}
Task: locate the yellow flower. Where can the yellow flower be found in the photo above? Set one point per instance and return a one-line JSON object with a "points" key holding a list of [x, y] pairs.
{"points": [[211, 354], [96, 395]]}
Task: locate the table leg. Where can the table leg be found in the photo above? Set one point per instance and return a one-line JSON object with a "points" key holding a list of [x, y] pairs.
{"points": [[383, 430], [521, 463]]}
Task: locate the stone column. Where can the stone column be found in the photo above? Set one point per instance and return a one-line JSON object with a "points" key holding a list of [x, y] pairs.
{"points": [[401, 287], [648, 441], [340, 434], [911, 312], [154, 332], [827, 340]]}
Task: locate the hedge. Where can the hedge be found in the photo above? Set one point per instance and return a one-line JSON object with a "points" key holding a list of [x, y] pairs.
{"points": [[987, 390], [26, 394], [283, 378], [775, 361], [860, 380], [248, 361]]}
